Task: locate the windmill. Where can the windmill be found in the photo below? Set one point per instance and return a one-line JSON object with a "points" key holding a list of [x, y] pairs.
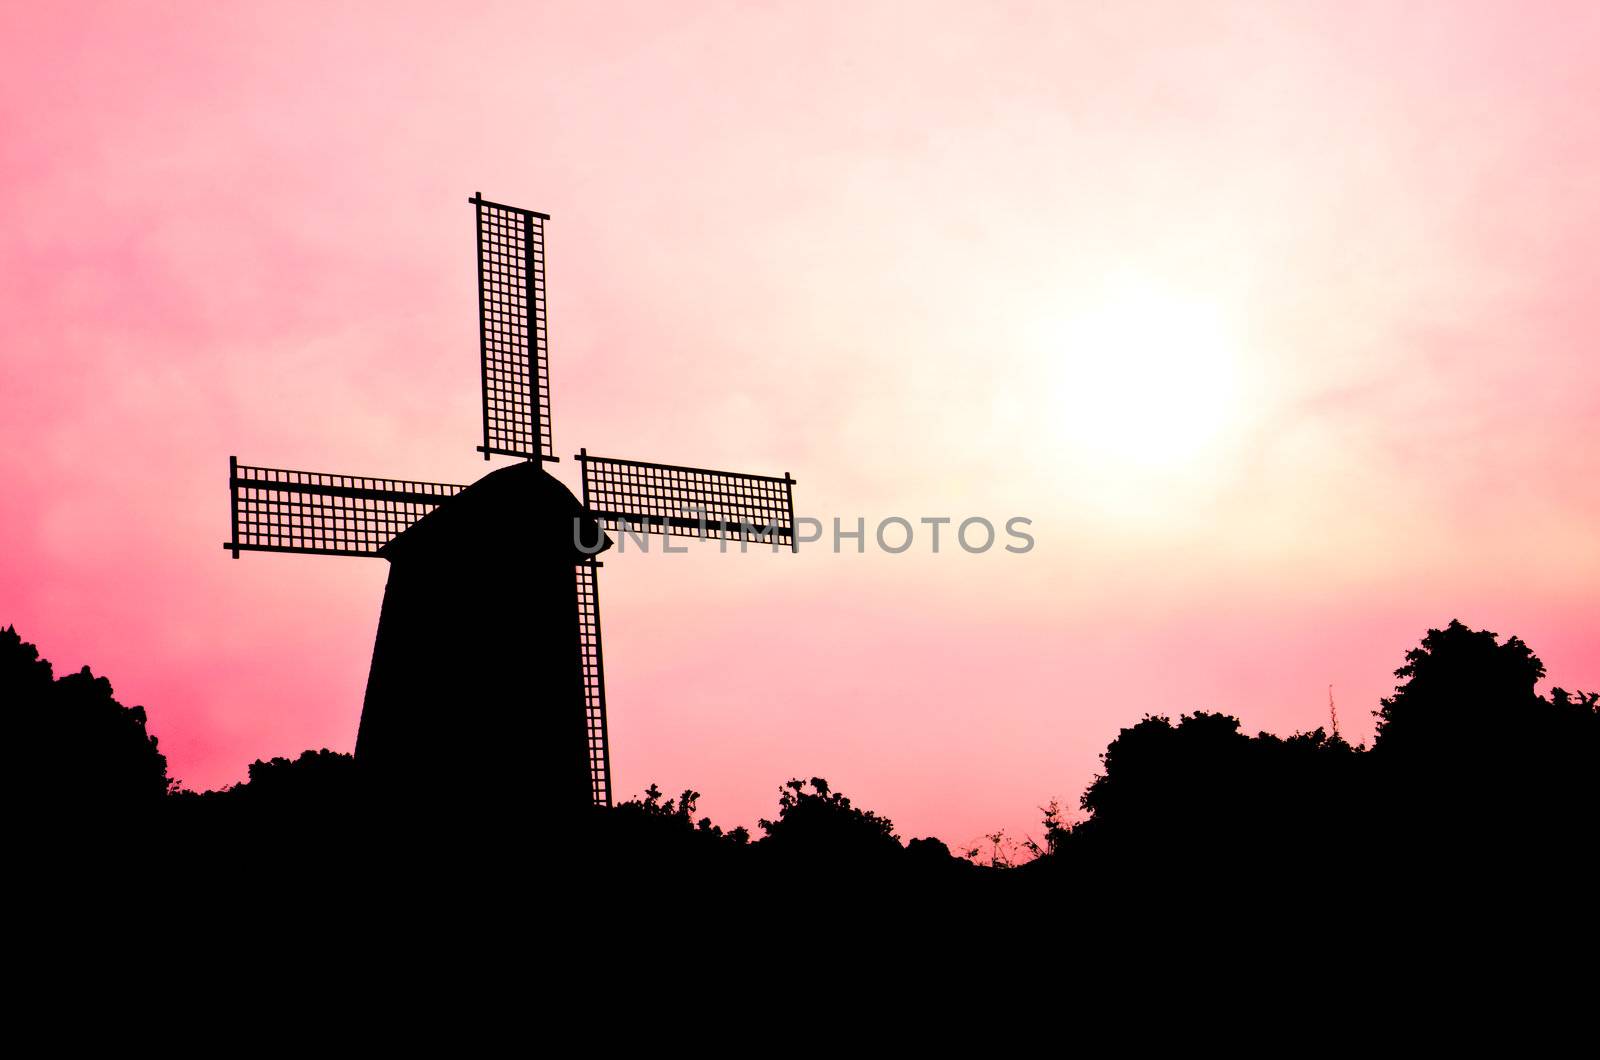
{"points": [[491, 616]]}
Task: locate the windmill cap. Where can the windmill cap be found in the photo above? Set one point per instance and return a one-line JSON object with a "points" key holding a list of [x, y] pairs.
{"points": [[516, 510]]}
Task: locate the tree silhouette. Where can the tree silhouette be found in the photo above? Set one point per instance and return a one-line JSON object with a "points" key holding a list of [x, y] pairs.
{"points": [[80, 750], [1471, 758], [1462, 689], [1201, 794], [1473, 775]]}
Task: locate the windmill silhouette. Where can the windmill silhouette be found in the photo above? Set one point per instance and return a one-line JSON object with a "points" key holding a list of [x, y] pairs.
{"points": [[488, 650]]}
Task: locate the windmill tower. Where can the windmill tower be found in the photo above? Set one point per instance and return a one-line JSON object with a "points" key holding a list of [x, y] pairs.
{"points": [[487, 677]]}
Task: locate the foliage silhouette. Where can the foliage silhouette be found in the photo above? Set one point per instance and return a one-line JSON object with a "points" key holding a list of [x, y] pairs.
{"points": [[1463, 690], [1201, 801], [661, 832], [1470, 765], [678, 815], [315, 782], [1471, 768], [820, 834], [82, 752], [1467, 750], [822, 823]]}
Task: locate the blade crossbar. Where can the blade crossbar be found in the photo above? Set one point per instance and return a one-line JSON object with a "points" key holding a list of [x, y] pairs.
{"points": [[679, 526], [279, 510], [688, 501], [513, 329], [594, 682]]}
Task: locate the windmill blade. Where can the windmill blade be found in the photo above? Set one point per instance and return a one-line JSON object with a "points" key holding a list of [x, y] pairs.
{"points": [[276, 510], [688, 501], [513, 331], [594, 681]]}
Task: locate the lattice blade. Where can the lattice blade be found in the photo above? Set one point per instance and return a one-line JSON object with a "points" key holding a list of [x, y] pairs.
{"points": [[513, 329], [275, 510], [594, 681], [688, 501]]}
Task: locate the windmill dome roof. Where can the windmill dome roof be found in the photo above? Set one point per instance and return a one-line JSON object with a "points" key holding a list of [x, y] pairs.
{"points": [[516, 510]]}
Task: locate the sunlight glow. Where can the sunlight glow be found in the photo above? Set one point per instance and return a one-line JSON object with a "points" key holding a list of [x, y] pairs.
{"points": [[1144, 377]]}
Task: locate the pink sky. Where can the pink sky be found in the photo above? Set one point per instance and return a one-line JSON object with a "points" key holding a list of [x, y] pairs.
{"points": [[1277, 320]]}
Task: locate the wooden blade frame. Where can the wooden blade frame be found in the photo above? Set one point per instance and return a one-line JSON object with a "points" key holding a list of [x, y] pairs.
{"points": [[594, 680], [276, 510], [688, 501], [513, 329]]}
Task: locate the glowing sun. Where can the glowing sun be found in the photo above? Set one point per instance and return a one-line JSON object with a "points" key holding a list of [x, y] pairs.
{"points": [[1144, 377]]}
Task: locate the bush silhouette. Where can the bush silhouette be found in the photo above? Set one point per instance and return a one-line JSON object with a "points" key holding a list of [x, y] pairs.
{"points": [[664, 830], [1199, 791], [822, 824], [314, 782]]}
